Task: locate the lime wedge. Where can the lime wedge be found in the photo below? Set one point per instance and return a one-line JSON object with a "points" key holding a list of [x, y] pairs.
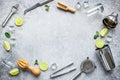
{"points": [[6, 45], [44, 66], [100, 43], [103, 32], [14, 72]]}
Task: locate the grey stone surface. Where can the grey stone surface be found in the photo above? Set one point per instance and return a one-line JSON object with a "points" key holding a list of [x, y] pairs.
{"points": [[60, 37]]}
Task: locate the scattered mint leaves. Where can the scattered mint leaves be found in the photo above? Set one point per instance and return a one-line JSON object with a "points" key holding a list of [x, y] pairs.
{"points": [[96, 35], [36, 62], [7, 35], [47, 7]]}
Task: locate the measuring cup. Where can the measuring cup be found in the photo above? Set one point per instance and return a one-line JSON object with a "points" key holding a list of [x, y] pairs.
{"points": [[86, 66]]}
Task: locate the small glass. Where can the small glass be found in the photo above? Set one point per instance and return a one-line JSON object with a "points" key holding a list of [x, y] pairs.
{"points": [[13, 41], [86, 4], [12, 29], [54, 66], [108, 39], [78, 6], [97, 8]]}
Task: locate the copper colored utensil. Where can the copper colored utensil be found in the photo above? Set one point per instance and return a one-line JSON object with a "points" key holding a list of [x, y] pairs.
{"points": [[65, 7], [23, 64]]}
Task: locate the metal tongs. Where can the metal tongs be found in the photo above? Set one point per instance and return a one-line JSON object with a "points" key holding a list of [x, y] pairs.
{"points": [[54, 75], [13, 11]]}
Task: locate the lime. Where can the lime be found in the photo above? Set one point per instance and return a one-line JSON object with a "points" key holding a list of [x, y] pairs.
{"points": [[103, 32], [19, 21], [6, 45], [100, 43], [44, 66], [14, 72]]}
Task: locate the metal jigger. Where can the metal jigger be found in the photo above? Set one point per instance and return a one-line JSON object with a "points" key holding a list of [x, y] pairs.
{"points": [[111, 21]]}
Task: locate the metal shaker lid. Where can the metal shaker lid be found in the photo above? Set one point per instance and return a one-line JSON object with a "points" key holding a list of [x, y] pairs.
{"points": [[111, 21]]}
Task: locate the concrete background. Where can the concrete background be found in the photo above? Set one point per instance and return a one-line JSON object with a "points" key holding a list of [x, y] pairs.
{"points": [[59, 37]]}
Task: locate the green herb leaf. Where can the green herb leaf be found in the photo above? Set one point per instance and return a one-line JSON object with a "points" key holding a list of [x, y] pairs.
{"points": [[36, 62], [7, 35], [47, 7], [96, 35]]}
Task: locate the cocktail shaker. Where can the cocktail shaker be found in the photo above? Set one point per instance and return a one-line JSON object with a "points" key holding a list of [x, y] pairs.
{"points": [[106, 58]]}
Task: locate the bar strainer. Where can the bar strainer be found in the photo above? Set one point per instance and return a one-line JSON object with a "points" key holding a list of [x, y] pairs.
{"points": [[87, 66]]}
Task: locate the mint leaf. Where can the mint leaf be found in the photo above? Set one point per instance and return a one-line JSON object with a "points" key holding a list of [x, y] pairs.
{"points": [[36, 62], [47, 7], [96, 35], [7, 35]]}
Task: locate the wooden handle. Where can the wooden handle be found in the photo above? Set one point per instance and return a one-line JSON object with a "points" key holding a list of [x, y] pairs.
{"points": [[65, 7], [71, 9], [62, 6], [35, 71]]}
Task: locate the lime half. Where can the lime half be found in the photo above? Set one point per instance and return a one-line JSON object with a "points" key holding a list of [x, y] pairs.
{"points": [[44, 66], [100, 43], [19, 21]]}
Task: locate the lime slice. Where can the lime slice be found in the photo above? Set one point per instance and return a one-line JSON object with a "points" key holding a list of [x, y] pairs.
{"points": [[100, 43], [6, 45], [18, 21], [103, 32], [14, 72], [44, 66]]}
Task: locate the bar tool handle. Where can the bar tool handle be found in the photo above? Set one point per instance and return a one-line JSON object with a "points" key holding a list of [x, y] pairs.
{"points": [[70, 64], [71, 9], [76, 76], [31, 8], [57, 75], [34, 70], [7, 19], [44, 2]]}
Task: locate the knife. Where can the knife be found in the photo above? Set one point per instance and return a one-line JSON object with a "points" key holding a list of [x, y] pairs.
{"points": [[41, 3]]}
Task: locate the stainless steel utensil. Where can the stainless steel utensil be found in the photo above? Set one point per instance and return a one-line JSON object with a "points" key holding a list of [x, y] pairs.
{"points": [[106, 58], [97, 8], [87, 66], [13, 11], [54, 75], [111, 21], [37, 5]]}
